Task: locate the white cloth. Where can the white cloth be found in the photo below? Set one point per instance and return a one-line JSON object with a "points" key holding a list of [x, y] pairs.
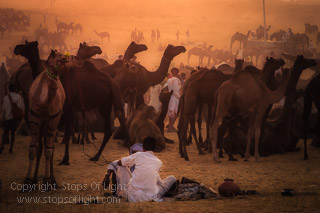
{"points": [[145, 184], [154, 97], [175, 85], [6, 105]]}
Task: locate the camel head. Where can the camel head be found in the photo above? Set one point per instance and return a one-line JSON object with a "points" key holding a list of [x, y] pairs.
{"points": [[238, 64], [165, 96], [57, 60], [172, 51], [27, 50], [86, 51], [133, 49], [273, 64], [304, 63]]}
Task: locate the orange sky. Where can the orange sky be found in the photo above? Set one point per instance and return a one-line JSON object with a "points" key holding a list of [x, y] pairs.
{"points": [[210, 21]]}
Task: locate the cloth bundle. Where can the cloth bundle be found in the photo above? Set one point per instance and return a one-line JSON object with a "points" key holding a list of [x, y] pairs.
{"points": [[194, 191]]}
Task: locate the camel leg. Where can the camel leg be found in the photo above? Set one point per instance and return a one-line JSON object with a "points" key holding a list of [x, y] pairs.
{"points": [[306, 116], [183, 139], [180, 124], [66, 136], [49, 150], [257, 133], [214, 137], [209, 118], [249, 137], [199, 121], [105, 112], [189, 137], [193, 129]]}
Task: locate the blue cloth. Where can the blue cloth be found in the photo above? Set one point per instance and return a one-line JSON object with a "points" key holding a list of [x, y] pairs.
{"points": [[137, 147]]}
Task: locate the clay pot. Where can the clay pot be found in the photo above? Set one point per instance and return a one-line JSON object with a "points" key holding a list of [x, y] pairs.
{"points": [[228, 188]]}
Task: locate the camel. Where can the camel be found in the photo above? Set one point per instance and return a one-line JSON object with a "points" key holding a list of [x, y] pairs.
{"points": [[311, 28], [76, 28], [145, 122], [47, 98], [23, 78], [278, 36], [134, 75], [279, 135], [238, 66], [250, 97], [311, 96], [242, 38], [201, 52], [103, 35], [199, 88]]}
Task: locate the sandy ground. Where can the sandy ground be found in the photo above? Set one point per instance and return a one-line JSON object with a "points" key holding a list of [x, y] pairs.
{"points": [[268, 178]]}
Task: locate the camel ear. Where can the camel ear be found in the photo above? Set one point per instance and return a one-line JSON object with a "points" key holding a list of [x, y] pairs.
{"points": [[26, 41], [80, 44], [52, 53]]}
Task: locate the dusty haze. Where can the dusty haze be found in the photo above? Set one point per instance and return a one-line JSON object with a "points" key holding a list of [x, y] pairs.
{"points": [[210, 21]]}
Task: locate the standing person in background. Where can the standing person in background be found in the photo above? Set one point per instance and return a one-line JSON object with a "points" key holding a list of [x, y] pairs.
{"points": [[158, 35], [10, 117], [174, 84], [178, 34], [188, 34]]}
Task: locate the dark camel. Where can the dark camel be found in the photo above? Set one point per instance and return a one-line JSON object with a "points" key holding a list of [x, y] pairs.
{"points": [[103, 35], [199, 88], [242, 38], [238, 66], [46, 98], [23, 78], [247, 94], [279, 135]]}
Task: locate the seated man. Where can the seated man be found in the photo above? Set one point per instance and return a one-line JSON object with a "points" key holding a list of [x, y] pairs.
{"points": [[120, 175], [145, 183]]}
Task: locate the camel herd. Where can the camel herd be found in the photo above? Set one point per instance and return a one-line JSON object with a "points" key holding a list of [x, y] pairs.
{"points": [[238, 102]]}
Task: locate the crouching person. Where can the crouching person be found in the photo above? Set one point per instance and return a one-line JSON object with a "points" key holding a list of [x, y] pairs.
{"points": [[144, 183]]}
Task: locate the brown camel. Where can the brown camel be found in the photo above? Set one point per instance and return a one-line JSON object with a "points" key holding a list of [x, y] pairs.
{"points": [[242, 38], [312, 95], [46, 98], [279, 135], [249, 96], [134, 75], [103, 35], [201, 52], [199, 88], [145, 122], [76, 28]]}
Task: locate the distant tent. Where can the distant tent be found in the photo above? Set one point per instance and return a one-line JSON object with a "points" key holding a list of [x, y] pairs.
{"points": [[4, 80]]}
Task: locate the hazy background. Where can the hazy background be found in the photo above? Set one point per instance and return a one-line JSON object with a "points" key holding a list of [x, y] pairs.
{"points": [[210, 21]]}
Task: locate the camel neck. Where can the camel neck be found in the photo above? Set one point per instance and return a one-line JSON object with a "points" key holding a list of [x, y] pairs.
{"points": [[52, 80], [160, 74], [35, 64], [163, 113], [295, 75]]}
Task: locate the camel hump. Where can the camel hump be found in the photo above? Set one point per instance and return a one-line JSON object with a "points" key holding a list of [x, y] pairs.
{"points": [[193, 78]]}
